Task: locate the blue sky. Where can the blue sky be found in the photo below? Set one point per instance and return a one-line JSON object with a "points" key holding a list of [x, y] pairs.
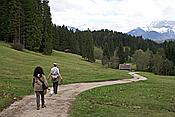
{"points": [[118, 15]]}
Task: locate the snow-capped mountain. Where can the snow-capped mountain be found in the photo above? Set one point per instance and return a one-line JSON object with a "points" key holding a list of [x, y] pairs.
{"points": [[72, 28], [86, 27], [162, 26], [160, 30], [81, 28]]}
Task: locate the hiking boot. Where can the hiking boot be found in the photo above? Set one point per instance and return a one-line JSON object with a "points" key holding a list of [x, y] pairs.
{"points": [[43, 106]]}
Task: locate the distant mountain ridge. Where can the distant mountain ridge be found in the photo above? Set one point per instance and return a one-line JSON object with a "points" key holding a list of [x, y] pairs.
{"points": [[81, 28], [160, 30]]}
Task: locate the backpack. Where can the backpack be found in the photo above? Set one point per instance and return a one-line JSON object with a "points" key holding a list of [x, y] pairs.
{"points": [[54, 73]]}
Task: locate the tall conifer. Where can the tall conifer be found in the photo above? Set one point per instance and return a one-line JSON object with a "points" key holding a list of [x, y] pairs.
{"points": [[47, 35]]}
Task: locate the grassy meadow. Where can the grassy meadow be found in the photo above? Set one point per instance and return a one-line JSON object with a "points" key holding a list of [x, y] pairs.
{"points": [[17, 69], [152, 98]]}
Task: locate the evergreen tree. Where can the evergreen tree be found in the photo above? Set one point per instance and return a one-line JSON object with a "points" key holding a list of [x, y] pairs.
{"points": [[120, 53], [169, 48], [56, 37], [15, 20], [74, 44], [3, 19], [80, 39], [47, 31], [126, 53], [106, 51], [106, 54], [32, 24], [149, 62], [87, 46], [63, 44]]}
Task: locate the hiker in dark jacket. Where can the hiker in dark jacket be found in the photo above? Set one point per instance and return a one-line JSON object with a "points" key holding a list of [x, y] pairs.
{"points": [[38, 79]]}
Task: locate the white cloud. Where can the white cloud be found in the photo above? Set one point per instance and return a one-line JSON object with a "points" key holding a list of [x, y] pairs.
{"points": [[119, 15]]}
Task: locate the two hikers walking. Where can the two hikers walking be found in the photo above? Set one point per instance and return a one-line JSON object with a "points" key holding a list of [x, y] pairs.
{"points": [[40, 83]]}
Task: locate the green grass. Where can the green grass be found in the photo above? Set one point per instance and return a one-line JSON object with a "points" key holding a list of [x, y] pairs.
{"points": [[17, 69], [152, 98]]}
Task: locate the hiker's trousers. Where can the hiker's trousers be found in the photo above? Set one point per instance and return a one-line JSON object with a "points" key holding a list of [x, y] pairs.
{"points": [[55, 87], [39, 94]]}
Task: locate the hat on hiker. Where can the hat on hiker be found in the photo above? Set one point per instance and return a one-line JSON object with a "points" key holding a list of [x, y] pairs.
{"points": [[55, 64]]}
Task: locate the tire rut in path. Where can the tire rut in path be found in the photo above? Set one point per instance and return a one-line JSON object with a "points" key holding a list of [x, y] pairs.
{"points": [[57, 105]]}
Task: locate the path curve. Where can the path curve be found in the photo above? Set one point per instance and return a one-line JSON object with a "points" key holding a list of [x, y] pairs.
{"points": [[58, 105]]}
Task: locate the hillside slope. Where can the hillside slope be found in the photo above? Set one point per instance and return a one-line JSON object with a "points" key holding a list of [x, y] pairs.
{"points": [[17, 68]]}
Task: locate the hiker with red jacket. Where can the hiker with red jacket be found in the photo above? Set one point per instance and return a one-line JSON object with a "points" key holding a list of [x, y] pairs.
{"points": [[55, 77]]}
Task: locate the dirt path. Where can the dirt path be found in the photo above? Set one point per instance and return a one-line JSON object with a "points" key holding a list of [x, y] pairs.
{"points": [[57, 105]]}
